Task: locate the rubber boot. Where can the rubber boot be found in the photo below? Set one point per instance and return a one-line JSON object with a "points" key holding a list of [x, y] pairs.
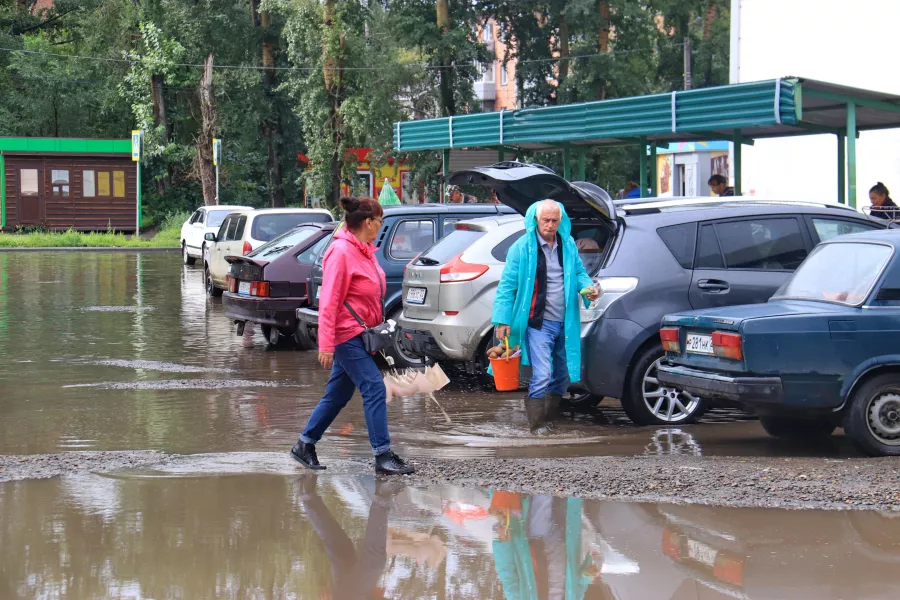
{"points": [[551, 406], [536, 411]]}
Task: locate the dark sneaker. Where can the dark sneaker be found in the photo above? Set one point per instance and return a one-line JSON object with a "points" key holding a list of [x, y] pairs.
{"points": [[389, 463], [305, 454]]}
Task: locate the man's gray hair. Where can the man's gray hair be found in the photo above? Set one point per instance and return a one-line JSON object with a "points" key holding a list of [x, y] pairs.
{"points": [[547, 204]]}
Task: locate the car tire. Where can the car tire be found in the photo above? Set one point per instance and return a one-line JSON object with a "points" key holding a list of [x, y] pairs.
{"points": [[646, 402], [211, 290], [795, 427], [402, 360], [305, 337], [185, 258], [582, 400], [872, 420]]}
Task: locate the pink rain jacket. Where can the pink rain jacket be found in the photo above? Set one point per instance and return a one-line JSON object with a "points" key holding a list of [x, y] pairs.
{"points": [[351, 273]]}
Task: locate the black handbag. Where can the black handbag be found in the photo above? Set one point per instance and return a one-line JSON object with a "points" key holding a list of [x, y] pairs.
{"points": [[375, 339]]}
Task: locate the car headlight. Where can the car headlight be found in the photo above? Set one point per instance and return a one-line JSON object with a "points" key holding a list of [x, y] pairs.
{"points": [[611, 289]]}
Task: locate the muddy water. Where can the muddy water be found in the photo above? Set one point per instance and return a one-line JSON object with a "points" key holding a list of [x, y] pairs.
{"points": [[271, 536], [117, 351]]}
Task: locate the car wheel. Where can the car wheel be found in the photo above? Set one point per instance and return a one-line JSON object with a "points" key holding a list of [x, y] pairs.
{"points": [[582, 399], [794, 427], [873, 418], [647, 402], [402, 359], [305, 337], [185, 258], [211, 288]]}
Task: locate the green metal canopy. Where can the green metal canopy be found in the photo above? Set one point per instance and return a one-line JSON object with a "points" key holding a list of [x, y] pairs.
{"points": [[740, 113]]}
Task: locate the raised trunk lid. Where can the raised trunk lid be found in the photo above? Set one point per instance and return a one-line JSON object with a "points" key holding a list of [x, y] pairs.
{"points": [[519, 185]]}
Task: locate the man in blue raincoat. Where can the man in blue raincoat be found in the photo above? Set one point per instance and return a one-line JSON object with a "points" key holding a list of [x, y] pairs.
{"points": [[537, 306]]}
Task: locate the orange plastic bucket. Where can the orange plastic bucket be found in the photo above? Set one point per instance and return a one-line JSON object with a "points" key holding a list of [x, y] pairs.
{"points": [[506, 373]]}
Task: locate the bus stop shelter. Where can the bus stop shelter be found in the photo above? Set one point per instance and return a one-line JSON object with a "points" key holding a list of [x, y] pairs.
{"points": [[738, 113]]}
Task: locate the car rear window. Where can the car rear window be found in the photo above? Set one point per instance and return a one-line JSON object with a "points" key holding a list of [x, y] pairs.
{"points": [[281, 244], [216, 217], [308, 256], [411, 238], [270, 225], [838, 272], [502, 249], [456, 242], [680, 240]]}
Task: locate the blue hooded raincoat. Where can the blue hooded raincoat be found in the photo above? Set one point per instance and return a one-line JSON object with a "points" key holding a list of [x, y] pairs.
{"points": [[512, 304]]}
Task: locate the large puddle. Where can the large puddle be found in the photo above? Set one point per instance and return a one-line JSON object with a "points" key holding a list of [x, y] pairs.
{"points": [[107, 351], [273, 536]]}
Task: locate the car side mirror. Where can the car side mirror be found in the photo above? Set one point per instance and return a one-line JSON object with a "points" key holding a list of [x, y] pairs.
{"points": [[210, 237]]}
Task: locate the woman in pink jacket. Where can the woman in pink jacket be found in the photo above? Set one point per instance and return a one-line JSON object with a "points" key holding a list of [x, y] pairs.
{"points": [[353, 276]]}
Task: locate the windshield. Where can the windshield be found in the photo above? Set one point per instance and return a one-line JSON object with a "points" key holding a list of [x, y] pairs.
{"points": [[272, 250], [215, 217], [839, 272], [270, 225]]}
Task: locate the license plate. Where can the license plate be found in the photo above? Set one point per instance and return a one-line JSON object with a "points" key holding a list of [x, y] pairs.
{"points": [[702, 553], [416, 295], [699, 344], [244, 288]]}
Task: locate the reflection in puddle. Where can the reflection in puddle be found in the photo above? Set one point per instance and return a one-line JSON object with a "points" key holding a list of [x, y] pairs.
{"points": [[672, 442], [301, 536], [153, 365], [178, 384]]}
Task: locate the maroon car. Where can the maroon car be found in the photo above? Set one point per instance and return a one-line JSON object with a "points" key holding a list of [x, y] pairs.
{"points": [[268, 285]]}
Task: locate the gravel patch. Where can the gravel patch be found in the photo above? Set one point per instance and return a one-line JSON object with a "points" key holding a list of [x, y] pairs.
{"points": [[741, 482], [42, 466]]}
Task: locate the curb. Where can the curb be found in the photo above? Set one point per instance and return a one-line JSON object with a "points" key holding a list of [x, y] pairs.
{"points": [[89, 249]]}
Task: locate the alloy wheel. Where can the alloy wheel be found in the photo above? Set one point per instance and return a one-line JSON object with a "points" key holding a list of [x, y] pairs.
{"points": [[883, 418], [669, 405]]}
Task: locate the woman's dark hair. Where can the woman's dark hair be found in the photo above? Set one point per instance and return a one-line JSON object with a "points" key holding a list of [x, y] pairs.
{"points": [[880, 189], [357, 210], [717, 180]]}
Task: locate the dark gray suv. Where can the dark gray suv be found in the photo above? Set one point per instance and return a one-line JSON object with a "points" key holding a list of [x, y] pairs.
{"points": [[661, 256]]}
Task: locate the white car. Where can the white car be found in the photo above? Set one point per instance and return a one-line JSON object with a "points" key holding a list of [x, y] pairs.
{"points": [[243, 231], [205, 219]]}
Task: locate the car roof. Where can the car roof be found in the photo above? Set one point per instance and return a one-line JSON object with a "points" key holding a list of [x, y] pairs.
{"points": [[231, 207], [489, 223], [440, 209], [702, 202], [880, 236], [278, 211]]}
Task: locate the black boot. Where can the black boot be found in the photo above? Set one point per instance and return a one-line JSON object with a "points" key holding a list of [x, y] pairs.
{"points": [[305, 454], [388, 463], [551, 406], [537, 415]]}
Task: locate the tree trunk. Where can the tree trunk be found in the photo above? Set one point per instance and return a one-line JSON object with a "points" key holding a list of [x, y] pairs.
{"points": [[712, 11], [563, 56], [334, 88], [602, 42], [271, 124], [254, 13], [445, 61], [157, 94], [207, 132]]}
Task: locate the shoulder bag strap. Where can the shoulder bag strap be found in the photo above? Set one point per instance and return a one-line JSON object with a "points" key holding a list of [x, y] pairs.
{"points": [[381, 287]]}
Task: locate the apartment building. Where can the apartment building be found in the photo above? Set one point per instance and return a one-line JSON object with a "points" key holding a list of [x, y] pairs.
{"points": [[496, 88]]}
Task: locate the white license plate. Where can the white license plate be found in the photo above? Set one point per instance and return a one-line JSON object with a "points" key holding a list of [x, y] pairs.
{"points": [[244, 288], [416, 295], [699, 344], [702, 553]]}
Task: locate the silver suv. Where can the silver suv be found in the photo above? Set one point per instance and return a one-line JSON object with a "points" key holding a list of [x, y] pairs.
{"points": [[448, 291]]}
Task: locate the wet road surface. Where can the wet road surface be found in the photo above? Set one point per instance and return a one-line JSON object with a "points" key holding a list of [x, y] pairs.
{"points": [[155, 535], [106, 351]]}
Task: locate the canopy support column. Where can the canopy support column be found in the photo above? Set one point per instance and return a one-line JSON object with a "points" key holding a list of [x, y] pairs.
{"points": [[567, 164], [738, 141], [653, 173], [851, 154], [581, 166], [842, 168], [3, 191], [500, 154], [445, 155], [642, 178]]}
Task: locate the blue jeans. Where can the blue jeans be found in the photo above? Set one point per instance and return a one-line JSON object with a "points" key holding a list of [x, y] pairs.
{"points": [[353, 368], [547, 353]]}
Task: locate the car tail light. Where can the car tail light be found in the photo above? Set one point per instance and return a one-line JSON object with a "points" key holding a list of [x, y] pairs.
{"points": [[461, 227], [670, 341], [247, 249], [451, 313], [730, 570], [459, 270], [259, 288], [231, 284], [727, 345]]}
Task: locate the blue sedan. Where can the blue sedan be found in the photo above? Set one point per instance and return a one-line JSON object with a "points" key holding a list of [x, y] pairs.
{"points": [[823, 352]]}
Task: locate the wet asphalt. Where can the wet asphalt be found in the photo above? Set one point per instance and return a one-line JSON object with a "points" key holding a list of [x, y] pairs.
{"points": [[143, 446]]}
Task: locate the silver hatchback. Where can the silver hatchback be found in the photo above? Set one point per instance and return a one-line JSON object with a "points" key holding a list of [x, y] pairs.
{"points": [[448, 291]]}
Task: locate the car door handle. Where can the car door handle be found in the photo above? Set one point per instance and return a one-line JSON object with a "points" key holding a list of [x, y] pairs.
{"points": [[713, 285]]}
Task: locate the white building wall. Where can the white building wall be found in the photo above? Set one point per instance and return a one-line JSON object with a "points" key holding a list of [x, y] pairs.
{"points": [[849, 43]]}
